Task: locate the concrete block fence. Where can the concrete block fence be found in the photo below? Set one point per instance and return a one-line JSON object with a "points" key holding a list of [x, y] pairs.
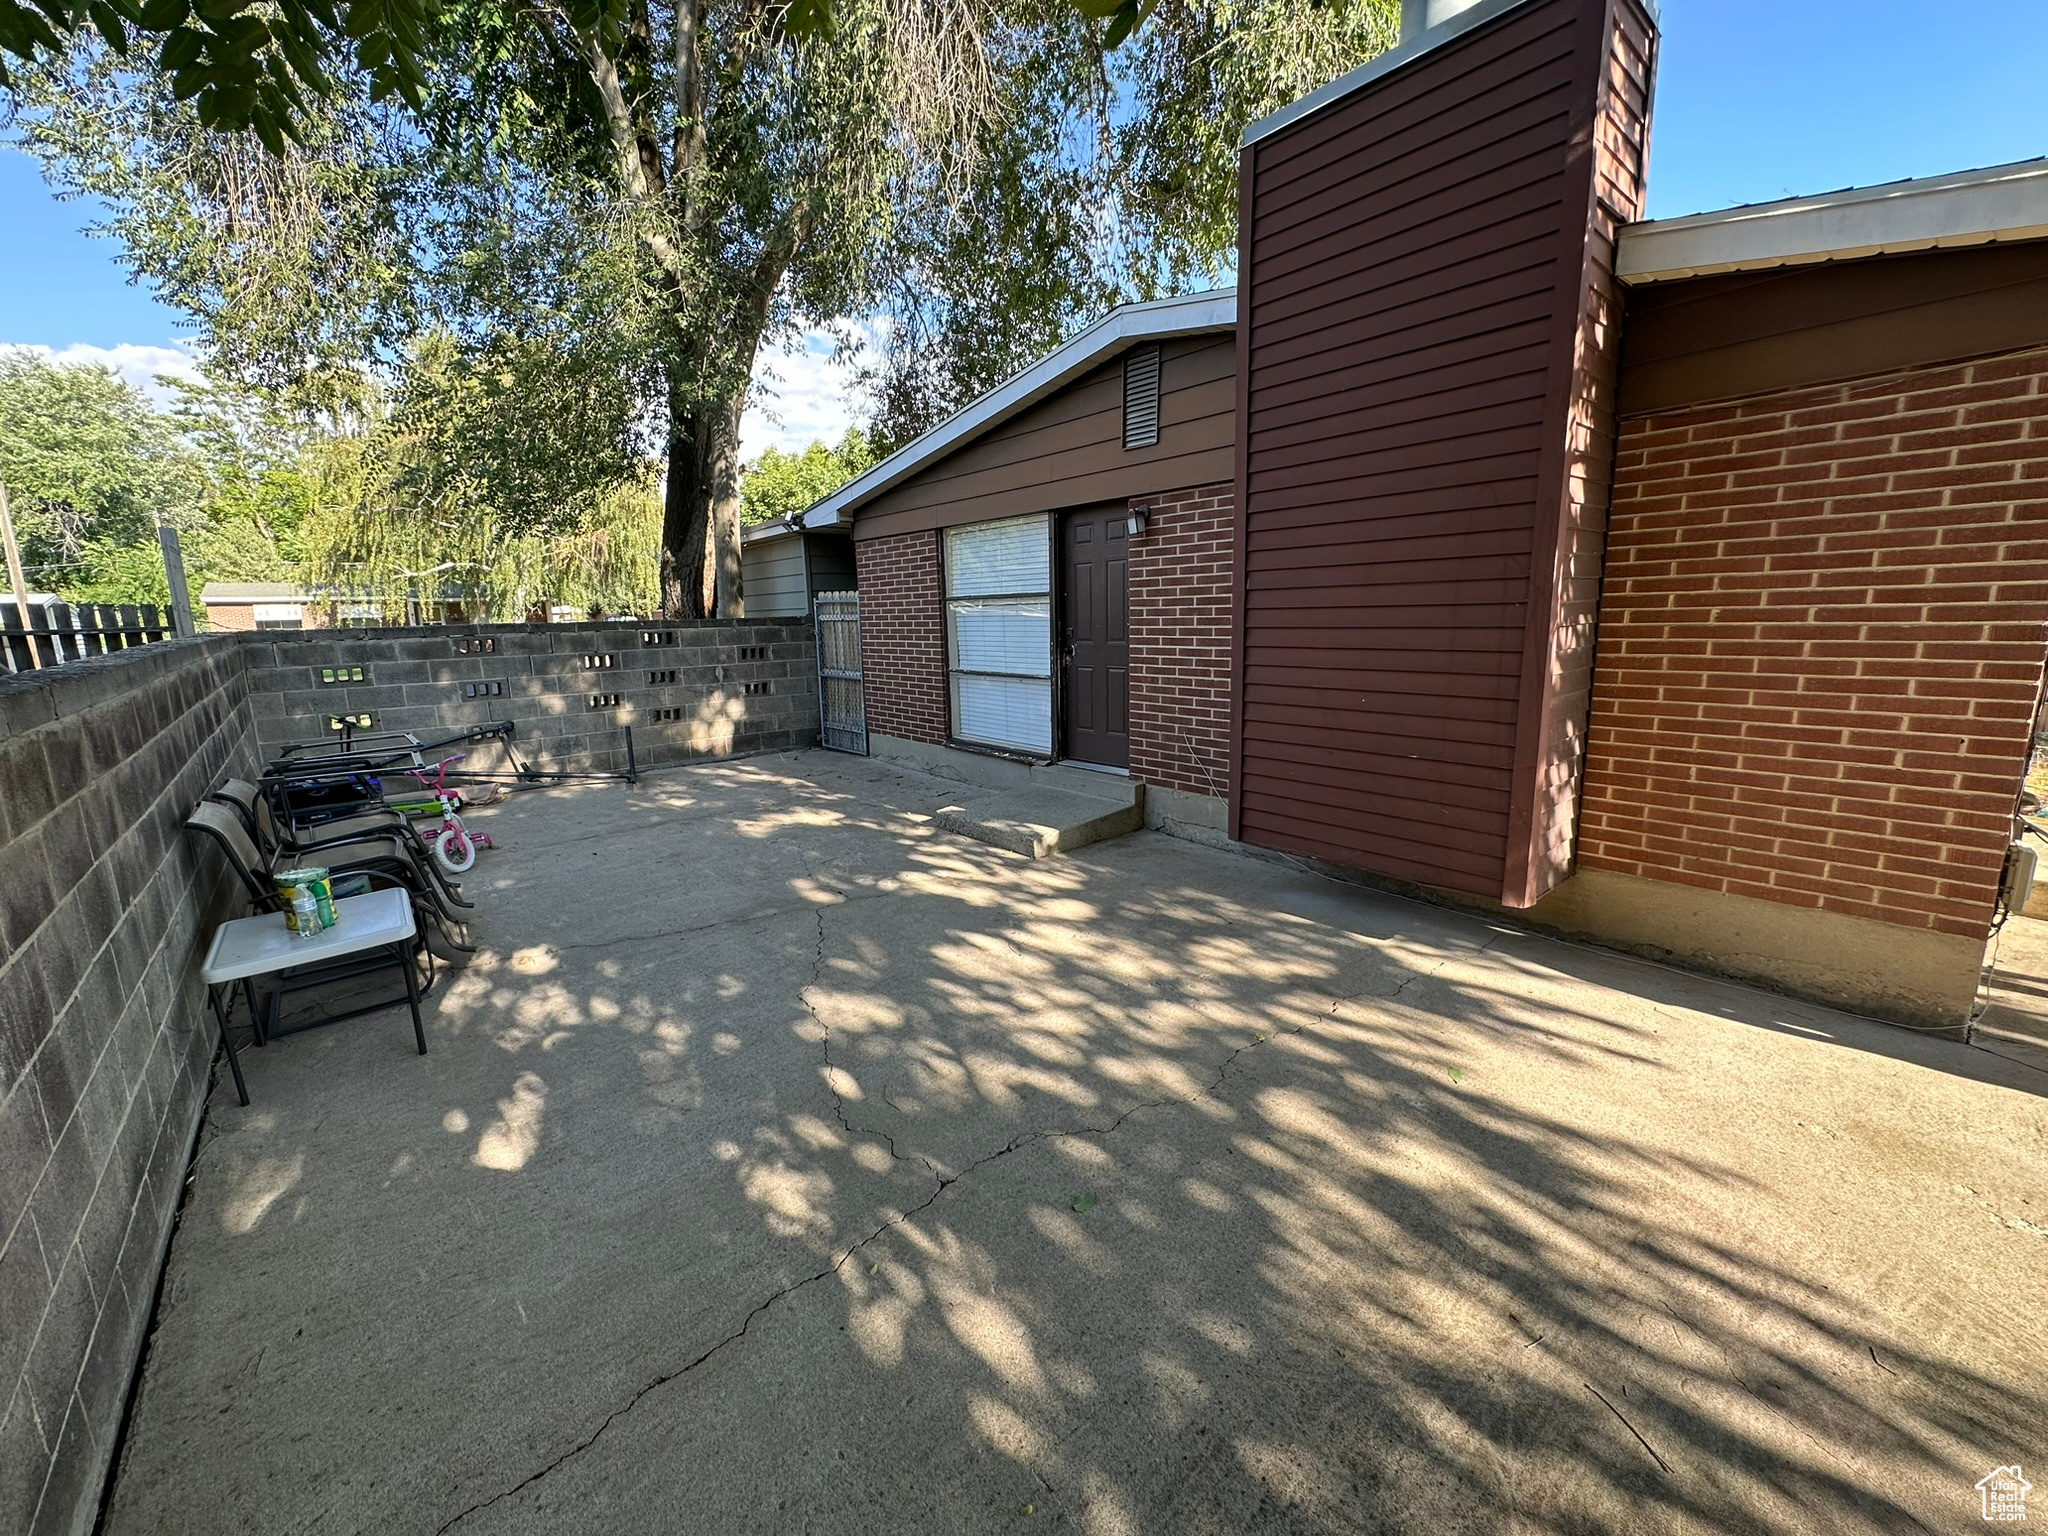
{"points": [[687, 690], [106, 905]]}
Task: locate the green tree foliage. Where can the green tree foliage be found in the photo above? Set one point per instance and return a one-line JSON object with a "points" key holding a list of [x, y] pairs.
{"points": [[498, 474], [472, 479], [653, 191], [778, 483], [514, 425], [298, 266], [256, 493], [243, 64], [91, 471]]}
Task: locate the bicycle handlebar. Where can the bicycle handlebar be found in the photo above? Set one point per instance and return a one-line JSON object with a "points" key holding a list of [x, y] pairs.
{"points": [[440, 770]]}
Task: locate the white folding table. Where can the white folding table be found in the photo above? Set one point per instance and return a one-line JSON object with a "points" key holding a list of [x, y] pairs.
{"points": [[377, 927]]}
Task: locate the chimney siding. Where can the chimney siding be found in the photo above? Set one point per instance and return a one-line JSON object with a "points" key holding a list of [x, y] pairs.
{"points": [[1429, 332]]}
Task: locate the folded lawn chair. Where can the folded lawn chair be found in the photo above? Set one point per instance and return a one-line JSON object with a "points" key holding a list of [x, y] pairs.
{"points": [[408, 943], [372, 820], [376, 839], [384, 861]]}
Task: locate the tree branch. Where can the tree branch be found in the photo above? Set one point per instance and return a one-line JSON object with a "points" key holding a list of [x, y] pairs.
{"points": [[691, 138], [625, 135]]}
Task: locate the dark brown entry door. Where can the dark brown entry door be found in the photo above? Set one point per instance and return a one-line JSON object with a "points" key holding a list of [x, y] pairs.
{"points": [[1095, 636]]}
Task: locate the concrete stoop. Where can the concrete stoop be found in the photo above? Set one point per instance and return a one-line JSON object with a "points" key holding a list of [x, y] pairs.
{"points": [[1038, 822]]}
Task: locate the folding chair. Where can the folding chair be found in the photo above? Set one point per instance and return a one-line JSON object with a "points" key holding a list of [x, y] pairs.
{"points": [[379, 843]]}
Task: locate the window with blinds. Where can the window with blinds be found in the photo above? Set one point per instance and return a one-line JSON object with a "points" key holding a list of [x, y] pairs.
{"points": [[999, 633]]}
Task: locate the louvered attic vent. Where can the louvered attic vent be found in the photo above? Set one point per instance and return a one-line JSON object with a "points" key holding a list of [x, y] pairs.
{"points": [[1141, 397]]}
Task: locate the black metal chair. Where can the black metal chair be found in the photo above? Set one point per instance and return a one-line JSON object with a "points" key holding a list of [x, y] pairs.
{"points": [[381, 862], [219, 824], [381, 841]]}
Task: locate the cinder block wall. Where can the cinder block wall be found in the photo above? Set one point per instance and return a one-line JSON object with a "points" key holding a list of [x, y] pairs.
{"points": [[104, 1045], [688, 690], [902, 636], [1181, 578], [1821, 638]]}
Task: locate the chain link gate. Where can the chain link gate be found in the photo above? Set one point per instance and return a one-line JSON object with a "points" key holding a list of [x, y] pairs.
{"points": [[842, 711]]}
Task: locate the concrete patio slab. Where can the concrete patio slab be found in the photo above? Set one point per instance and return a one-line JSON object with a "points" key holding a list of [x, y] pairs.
{"points": [[784, 1163]]}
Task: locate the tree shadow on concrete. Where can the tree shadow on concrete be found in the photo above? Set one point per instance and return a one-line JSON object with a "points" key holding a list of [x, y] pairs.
{"points": [[807, 1170]]}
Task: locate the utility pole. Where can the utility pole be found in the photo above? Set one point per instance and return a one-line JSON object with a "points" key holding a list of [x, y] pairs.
{"points": [[174, 572], [15, 577]]}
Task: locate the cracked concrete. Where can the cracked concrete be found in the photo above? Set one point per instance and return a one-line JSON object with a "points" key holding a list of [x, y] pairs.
{"points": [[784, 1164]]}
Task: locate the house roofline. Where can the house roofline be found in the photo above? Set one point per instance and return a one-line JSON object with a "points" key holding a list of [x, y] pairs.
{"points": [[1400, 56], [786, 526], [1189, 314], [1992, 205], [1413, 45]]}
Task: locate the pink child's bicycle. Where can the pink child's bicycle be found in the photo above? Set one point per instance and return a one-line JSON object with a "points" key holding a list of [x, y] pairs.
{"points": [[454, 844]]}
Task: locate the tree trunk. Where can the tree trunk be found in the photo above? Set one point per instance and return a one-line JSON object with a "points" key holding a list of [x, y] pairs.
{"points": [[700, 525]]}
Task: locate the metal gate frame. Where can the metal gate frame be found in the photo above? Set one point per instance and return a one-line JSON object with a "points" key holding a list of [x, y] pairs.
{"points": [[842, 699]]}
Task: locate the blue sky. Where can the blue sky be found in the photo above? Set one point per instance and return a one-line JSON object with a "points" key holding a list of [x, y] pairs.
{"points": [[1754, 101]]}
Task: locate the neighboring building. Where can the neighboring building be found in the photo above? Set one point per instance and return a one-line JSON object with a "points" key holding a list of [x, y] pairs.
{"points": [[262, 605], [1680, 583], [243, 605], [782, 568]]}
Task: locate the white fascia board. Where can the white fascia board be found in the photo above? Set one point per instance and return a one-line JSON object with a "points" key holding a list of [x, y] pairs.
{"points": [[767, 533], [1188, 315], [1998, 203], [1397, 57]]}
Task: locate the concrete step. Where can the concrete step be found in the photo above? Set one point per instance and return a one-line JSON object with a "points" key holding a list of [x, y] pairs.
{"points": [[1040, 822]]}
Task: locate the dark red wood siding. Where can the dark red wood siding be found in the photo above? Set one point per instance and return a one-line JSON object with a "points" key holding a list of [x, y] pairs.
{"points": [[1428, 325]]}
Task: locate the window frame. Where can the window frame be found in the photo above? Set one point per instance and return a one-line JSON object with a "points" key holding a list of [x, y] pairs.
{"points": [[1052, 672]]}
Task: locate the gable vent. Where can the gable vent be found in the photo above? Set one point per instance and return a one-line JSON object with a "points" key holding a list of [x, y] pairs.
{"points": [[1141, 397]]}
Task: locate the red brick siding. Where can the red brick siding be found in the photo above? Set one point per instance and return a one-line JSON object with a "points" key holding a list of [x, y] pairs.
{"points": [[902, 642], [1820, 642], [1181, 576]]}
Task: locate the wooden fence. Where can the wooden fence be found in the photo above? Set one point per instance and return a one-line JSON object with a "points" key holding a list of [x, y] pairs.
{"points": [[60, 632]]}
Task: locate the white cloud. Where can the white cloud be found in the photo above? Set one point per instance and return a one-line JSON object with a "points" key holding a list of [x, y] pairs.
{"points": [[800, 396], [139, 365]]}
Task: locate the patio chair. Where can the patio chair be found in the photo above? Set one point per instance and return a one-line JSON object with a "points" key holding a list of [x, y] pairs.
{"points": [[255, 808], [222, 822], [377, 839], [397, 938]]}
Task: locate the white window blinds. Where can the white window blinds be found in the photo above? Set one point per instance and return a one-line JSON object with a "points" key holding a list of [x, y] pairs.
{"points": [[999, 633]]}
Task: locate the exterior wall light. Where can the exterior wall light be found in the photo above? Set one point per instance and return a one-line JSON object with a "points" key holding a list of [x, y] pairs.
{"points": [[1141, 518]]}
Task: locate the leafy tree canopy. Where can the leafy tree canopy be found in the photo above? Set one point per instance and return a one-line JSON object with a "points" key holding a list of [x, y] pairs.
{"points": [[651, 192], [244, 64], [778, 482], [87, 462], [470, 477]]}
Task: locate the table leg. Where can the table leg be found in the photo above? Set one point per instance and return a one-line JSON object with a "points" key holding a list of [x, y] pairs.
{"points": [[234, 1063], [412, 994], [248, 986]]}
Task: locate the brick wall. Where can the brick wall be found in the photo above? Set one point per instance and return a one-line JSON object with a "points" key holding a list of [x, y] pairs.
{"points": [[902, 639], [1181, 577], [223, 617], [688, 690], [1820, 643], [104, 1044]]}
